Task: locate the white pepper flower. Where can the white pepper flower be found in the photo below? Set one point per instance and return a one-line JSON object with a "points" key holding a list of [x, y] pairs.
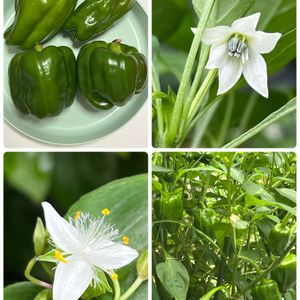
{"points": [[83, 245], [237, 50]]}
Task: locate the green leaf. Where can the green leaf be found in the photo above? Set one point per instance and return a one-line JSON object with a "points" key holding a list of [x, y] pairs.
{"points": [[288, 193], [44, 295], [22, 291], [208, 295], [253, 201], [127, 199], [252, 188], [204, 168], [158, 169], [272, 118], [284, 52], [230, 10], [237, 175], [290, 295], [29, 173], [174, 277]]}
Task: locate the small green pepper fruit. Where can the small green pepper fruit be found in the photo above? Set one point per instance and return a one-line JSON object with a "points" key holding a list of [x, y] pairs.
{"points": [[266, 291], [43, 81], [279, 238], [37, 21], [110, 74], [285, 274], [204, 220], [169, 207], [93, 17]]}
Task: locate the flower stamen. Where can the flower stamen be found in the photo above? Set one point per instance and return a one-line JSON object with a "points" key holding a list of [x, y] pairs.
{"points": [[125, 240], [237, 46], [77, 215], [58, 255], [115, 276], [105, 211]]}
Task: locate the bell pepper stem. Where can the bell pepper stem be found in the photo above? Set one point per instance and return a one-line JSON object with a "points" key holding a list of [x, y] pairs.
{"points": [[285, 220], [38, 48], [116, 46]]}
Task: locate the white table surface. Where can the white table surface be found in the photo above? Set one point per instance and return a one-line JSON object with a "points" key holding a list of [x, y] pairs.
{"points": [[133, 134]]}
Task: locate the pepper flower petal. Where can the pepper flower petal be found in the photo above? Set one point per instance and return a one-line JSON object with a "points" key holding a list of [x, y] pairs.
{"points": [[84, 245], [236, 50]]}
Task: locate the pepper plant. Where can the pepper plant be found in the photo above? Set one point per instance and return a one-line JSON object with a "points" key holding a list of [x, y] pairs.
{"points": [[224, 225], [213, 67]]}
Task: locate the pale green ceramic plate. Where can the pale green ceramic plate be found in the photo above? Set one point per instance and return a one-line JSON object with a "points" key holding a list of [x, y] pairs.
{"points": [[79, 123]]}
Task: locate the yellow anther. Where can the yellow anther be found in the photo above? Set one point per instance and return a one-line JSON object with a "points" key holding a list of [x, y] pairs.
{"points": [[115, 276], [58, 255], [125, 240], [77, 215], [105, 211]]}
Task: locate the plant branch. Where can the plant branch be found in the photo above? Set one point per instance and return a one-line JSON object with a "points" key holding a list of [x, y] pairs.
{"points": [[132, 289], [32, 279], [182, 91], [274, 265]]}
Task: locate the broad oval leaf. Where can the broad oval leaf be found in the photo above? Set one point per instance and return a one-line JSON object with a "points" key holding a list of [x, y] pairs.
{"points": [[174, 277], [127, 199], [22, 291]]}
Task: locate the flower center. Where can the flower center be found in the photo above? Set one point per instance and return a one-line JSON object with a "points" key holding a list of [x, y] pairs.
{"points": [[237, 46]]}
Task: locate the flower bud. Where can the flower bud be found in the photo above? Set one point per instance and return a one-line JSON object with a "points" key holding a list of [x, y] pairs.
{"points": [[43, 295], [39, 237], [142, 266]]}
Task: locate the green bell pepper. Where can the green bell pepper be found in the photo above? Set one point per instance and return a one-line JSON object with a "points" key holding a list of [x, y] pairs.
{"points": [[279, 238], [204, 220], [93, 17], [266, 291], [285, 274], [169, 207], [110, 74], [37, 21], [43, 81]]}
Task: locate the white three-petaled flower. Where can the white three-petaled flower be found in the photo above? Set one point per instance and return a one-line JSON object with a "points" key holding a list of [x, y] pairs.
{"points": [[86, 245], [237, 50]]}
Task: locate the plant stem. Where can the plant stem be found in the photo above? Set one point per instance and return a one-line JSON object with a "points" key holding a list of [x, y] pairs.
{"points": [[209, 79], [182, 91], [202, 61], [116, 288], [32, 279], [248, 112], [226, 247], [132, 289], [160, 121], [274, 265], [226, 121]]}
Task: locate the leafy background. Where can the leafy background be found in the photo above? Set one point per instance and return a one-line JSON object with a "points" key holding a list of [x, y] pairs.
{"points": [[172, 20], [62, 178], [257, 188]]}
